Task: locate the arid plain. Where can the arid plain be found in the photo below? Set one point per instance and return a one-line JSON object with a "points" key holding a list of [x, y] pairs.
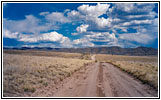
{"points": [[36, 73]]}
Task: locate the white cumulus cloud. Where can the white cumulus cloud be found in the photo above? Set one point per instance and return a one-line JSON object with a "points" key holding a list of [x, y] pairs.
{"points": [[90, 14], [82, 28], [52, 36], [95, 11], [57, 17], [8, 34]]}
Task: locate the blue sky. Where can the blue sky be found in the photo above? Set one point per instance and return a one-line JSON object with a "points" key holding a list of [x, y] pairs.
{"points": [[66, 25]]}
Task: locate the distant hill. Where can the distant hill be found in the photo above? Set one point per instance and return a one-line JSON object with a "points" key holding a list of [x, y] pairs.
{"points": [[114, 50]]}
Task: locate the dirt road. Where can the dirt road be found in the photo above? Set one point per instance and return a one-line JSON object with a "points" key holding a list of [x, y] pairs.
{"points": [[93, 57], [98, 80]]}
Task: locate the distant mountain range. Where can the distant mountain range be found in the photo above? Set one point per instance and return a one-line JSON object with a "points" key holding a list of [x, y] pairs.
{"points": [[114, 50]]}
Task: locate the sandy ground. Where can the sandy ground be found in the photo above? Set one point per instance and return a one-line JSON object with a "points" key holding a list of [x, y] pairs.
{"points": [[98, 80]]}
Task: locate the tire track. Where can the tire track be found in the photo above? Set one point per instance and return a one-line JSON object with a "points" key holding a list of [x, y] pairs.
{"points": [[112, 87], [100, 91]]}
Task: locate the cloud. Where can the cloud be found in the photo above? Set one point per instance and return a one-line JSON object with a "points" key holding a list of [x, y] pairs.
{"points": [[144, 35], [121, 17], [87, 11], [35, 30], [52, 36], [93, 11], [136, 16], [101, 36], [122, 14], [137, 37], [73, 14], [32, 38], [83, 42], [134, 13], [102, 22], [44, 13], [34, 25], [137, 22], [40, 45], [135, 8], [103, 39], [150, 16], [90, 15], [8, 34], [82, 28], [56, 17], [30, 24]]}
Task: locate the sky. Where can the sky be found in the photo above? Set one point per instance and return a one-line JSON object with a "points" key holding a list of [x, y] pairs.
{"points": [[79, 25]]}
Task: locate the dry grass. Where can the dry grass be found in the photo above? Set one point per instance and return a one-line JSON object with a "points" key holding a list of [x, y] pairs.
{"points": [[144, 68], [44, 53], [24, 74], [86, 56]]}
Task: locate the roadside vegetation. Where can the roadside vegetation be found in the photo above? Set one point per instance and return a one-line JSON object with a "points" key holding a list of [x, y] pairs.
{"points": [[86, 56], [144, 68], [23, 74]]}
